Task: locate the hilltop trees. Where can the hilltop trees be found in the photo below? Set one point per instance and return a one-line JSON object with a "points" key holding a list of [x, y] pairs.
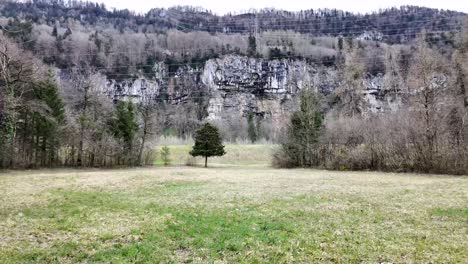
{"points": [[399, 22], [208, 143]]}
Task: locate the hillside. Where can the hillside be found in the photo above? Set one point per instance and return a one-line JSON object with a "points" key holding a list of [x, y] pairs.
{"points": [[170, 70], [391, 23]]}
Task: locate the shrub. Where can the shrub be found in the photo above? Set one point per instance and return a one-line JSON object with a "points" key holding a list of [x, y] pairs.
{"points": [[166, 155]]}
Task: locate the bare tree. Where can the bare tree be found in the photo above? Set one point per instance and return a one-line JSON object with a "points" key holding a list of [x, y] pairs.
{"points": [[427, 81], [148, 110], [351, 91]]}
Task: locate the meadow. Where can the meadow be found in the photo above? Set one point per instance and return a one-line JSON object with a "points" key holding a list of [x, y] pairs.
{"points": [[241, 212], [236, 154]]}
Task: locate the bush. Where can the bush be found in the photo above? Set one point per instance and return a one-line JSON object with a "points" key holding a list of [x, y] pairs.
{"points": [[149, 157], [166, 155]]}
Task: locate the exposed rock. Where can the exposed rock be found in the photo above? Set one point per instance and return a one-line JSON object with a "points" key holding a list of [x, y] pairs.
{"points": [[239, 85]]}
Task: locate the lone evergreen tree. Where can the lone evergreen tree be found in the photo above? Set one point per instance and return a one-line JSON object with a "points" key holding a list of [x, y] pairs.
{"points": [[208, 143]]}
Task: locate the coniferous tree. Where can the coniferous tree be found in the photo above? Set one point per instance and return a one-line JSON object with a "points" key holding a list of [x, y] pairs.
{"points": [[48, 123], [299, 149], [22, 32], [208, 143], [125, 126]]}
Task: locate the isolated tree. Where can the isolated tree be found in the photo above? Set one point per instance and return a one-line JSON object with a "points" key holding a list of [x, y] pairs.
{"points": [[208, 143]]}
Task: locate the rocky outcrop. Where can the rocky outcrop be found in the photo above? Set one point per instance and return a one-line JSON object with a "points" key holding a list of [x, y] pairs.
{"points": [[264, 87], [236, 85]]}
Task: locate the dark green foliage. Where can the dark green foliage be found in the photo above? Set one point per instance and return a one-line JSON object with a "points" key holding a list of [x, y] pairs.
{"points": [[20, 31], [251, 129], [47, 122], [208, 143], [299, 149], [166, 155], [49, 93], [125, 125], [7, 131]]}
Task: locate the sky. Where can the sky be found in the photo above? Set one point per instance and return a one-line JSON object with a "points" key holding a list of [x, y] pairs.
{"points": [[225, 6]]}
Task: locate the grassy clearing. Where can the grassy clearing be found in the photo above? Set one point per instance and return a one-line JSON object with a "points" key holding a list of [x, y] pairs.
{"points": [[235, 155], [231, 214]]}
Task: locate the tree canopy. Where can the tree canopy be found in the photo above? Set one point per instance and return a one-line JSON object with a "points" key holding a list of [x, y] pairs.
{"points": [[208, 143]]}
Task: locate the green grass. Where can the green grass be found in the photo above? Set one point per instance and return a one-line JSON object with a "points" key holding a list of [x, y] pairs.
{"points": [[231, 214], [235, 155]]}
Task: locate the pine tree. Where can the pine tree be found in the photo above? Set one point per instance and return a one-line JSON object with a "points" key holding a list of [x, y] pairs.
{"points": [[299, 150], [48, 123], [125, 125], [208, 143]]}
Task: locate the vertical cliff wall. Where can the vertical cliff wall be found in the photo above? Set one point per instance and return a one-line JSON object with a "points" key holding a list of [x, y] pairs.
{"points": [[237, 86]]}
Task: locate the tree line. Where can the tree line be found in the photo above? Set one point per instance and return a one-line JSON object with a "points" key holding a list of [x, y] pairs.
{"points": [[427, 133], [393, 22], [44, 123]]}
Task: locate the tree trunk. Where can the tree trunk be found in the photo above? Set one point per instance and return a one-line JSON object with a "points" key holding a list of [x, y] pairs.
{"points": [[206, 161]]}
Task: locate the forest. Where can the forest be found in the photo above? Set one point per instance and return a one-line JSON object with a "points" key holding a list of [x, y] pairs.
{"points": [[54, 55]]}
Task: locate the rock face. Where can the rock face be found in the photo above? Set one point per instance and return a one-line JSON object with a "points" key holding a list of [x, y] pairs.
{"points": [[236, 86], [239, 85]]}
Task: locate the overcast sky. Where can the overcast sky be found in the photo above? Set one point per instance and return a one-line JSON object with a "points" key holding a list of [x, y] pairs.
{"points": [[224, 6]]}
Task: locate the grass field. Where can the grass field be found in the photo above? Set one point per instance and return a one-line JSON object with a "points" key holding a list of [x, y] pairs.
{"points": [[231, 214], [236, 154]]}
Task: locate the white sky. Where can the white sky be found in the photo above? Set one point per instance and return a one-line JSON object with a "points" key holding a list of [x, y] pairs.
{"points": [[224, 6]]}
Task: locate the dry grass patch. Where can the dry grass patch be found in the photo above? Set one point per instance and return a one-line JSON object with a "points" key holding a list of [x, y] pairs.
{"points": [[231, 214]]}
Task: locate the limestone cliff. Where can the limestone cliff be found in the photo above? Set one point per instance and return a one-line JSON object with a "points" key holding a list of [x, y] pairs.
{"points": [[236, 85]]}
